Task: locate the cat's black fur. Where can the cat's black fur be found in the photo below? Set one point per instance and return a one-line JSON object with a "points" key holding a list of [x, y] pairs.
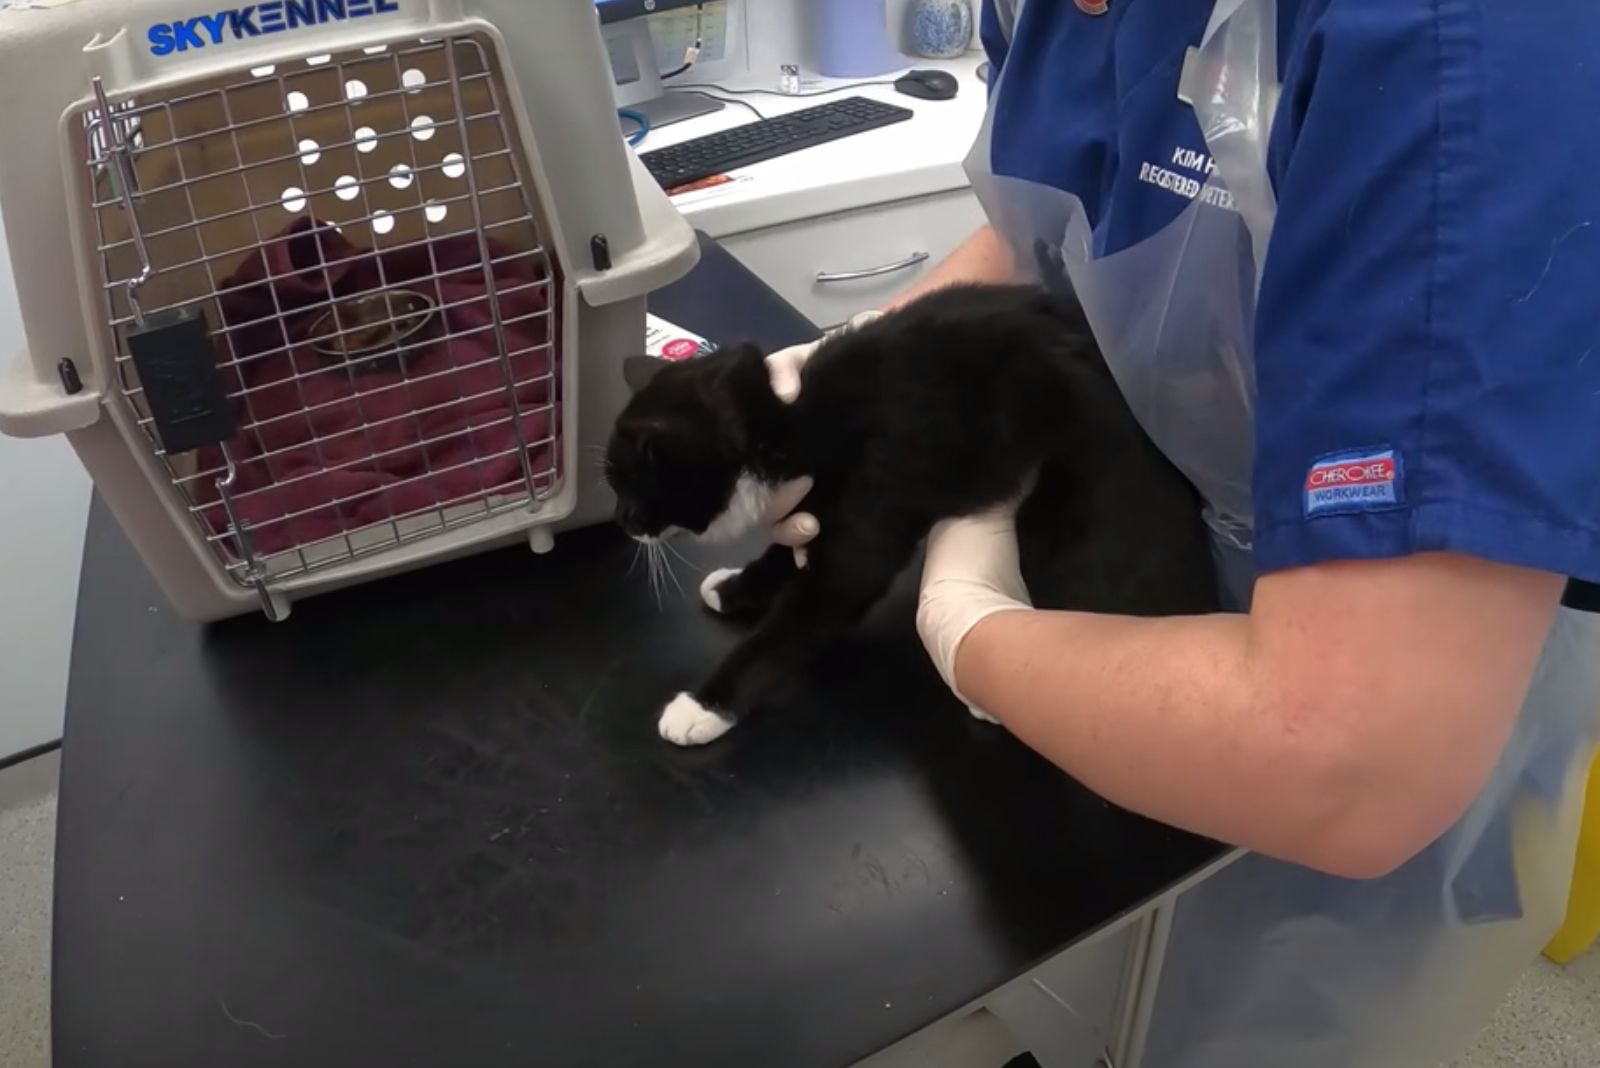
{"points": [[940, 409]]}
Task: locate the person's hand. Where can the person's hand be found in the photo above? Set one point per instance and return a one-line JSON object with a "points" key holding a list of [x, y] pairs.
{"points": [[786, 526], [785, 365], [971, 571]]}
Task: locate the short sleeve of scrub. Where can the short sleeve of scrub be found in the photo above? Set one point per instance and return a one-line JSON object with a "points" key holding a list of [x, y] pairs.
{"points": [[1428, 333]]}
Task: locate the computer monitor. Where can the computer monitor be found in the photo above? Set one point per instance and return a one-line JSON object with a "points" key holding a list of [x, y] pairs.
{"points": [[633, 62]]}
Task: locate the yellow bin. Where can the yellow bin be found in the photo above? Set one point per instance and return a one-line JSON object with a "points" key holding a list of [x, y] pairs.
{"points": [[1582, 925]]}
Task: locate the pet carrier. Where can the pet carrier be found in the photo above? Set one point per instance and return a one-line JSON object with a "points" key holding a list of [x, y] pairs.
{"points": [[320, 290]]}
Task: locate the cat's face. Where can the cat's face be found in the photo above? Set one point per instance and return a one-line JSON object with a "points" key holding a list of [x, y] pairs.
{"points": [[675, 458]]}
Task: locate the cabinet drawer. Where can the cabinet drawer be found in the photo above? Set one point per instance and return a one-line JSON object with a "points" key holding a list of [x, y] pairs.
{"points": [[1067, 1013], [833, 266], [1068, 1010]]}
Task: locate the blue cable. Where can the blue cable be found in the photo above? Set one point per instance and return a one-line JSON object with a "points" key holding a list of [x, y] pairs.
{"points": [[638, 117]]}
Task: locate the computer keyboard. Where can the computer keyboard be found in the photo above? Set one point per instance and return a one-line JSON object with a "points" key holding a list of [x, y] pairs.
{"points": [[753, 142]]}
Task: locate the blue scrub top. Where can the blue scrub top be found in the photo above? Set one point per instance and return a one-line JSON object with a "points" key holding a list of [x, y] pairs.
{"points": [[1428, 332]]}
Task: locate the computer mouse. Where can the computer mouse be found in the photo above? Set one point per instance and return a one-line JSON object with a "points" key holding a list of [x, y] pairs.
{"points": [[927, 84]]}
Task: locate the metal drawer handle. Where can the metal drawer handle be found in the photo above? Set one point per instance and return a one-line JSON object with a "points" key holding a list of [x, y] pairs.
{"points": [[872, 272]]}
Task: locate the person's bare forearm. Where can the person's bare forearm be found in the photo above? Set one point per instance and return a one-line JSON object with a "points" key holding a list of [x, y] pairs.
{"points": [[983, 257], [1343, 725], [1157, 715]]}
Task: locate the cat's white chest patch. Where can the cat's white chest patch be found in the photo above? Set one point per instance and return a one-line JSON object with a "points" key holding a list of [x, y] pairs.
{"points": [[746, 507], [753, 504]]}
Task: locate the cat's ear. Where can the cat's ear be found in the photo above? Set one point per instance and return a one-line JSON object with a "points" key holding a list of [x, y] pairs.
{"points": [[640, 371], [739, 363]]}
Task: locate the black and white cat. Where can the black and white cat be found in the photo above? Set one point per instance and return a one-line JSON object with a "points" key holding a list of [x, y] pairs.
{"points": [[942, 408]]}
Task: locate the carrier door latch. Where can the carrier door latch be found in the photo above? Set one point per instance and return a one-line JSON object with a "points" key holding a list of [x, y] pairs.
{"points": [[172, 354], [183, 390], [178, 373]]}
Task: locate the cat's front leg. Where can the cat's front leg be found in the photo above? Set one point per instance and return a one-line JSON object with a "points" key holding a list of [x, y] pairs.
{"points": [[848, 573], [748, 592], [767, 664]]}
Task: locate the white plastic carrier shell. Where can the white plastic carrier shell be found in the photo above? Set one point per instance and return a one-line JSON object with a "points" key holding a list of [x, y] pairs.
{"points": [[369, 267]]}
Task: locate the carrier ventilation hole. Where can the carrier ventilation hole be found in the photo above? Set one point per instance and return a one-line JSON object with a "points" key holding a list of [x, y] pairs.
{"points": [[422, 128], [294, 200], [345, 187]]}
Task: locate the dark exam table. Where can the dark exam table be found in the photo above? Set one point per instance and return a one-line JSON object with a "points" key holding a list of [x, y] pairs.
{"points": [[429, 822]]}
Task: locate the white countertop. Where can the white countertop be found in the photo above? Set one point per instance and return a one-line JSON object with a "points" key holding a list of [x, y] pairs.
{"points": [[914, 158]]}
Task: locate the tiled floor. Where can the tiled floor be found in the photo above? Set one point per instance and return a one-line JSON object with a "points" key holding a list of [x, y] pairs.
{"points": [[1551, 1020], [27, 844]]}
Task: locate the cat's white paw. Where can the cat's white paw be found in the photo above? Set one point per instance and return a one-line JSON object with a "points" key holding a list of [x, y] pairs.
{"points": [[686, 721], [980, 715], [712, 582]]}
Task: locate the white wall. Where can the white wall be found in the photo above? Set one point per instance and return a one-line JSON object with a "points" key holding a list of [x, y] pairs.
{"points": [[44, 501], [762, 34]]}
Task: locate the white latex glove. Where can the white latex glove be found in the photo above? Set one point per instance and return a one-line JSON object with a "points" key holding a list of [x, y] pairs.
{"points": [[783, 370], [793, 530], [971, 572], [784, 366]]}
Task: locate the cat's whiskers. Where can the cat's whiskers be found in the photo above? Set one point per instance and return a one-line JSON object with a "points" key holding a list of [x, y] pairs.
{"points": [[666, 565], [650, 572], [659, 568], [653, 556], [673, 549]]}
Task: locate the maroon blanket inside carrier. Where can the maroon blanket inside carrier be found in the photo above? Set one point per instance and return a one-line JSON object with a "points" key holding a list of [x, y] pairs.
{"points": [[329, 443]]}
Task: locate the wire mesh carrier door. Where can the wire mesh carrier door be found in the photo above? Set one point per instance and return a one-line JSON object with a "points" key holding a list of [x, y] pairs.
{"points": [[333, 310]]}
